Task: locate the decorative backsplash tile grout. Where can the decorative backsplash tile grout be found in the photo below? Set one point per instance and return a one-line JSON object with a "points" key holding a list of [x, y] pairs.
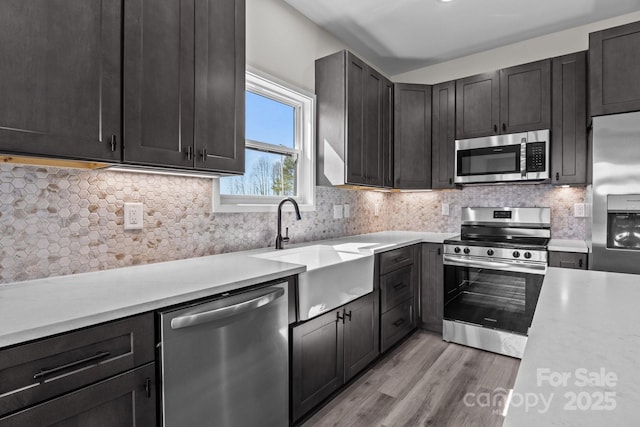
{"points": [[62, 221]]}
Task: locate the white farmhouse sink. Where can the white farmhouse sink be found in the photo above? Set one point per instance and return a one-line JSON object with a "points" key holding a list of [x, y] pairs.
{"points": [[333, 277]]}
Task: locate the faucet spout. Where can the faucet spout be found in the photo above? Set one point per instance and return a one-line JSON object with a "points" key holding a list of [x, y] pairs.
{"points": [[279, 239]]}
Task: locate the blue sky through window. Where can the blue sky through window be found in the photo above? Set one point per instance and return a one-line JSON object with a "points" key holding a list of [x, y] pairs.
{"points": [[270, 122]]}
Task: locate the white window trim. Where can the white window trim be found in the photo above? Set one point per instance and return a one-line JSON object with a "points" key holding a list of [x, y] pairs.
{"points": [[304, 104]]}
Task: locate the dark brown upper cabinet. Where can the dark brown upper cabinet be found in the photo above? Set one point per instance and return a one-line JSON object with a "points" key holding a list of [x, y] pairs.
{"points": [[354, 122], [184, 84], [412, 136], [478, 105], [443, 131], [525, 97], [60, 78], [614, 67], [515, 99], [569, 128]]}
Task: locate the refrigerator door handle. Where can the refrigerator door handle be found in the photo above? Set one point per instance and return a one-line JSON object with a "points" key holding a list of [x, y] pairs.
{"points": [[228, 311]]}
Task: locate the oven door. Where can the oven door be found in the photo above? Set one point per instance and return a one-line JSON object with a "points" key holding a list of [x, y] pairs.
{"points": [[495, 294]]}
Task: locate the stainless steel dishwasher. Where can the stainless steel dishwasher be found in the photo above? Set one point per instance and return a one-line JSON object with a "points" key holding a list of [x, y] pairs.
{"points": [[225, 362]]}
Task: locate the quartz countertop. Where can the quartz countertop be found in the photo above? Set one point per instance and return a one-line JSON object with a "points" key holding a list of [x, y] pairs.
{"points": [[586, 327], [39, 308], [566, 245]]}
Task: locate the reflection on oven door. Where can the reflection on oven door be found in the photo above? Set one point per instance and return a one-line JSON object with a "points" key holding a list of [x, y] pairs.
{"points": [[491, 298]]}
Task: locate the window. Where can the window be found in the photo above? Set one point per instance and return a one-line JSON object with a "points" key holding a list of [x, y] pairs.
{"points": [[279, 150]]}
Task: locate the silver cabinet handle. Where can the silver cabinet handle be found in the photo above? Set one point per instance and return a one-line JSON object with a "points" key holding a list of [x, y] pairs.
{"points": [[49, 371], [228, 311]]}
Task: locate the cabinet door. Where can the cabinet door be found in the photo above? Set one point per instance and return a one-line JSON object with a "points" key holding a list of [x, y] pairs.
{"points": [[387, 133], [357, 77], [124, 400], [569, 146], [477, 105], [361, 334], [373, 144], [525, 97], [412, 141], [60, 78], [443, 131], [568, 260], [220, 68], [614, 66], [431, 287], [317, 362], [159, 82]]}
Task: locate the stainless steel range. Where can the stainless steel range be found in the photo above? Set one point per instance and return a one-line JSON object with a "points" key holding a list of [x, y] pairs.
{"points": [[493, 273]]}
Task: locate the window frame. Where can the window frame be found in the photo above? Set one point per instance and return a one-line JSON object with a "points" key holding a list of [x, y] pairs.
{"points": [[304, 104]]}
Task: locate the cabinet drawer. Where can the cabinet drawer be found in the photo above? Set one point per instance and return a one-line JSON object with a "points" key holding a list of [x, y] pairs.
{"points": [[397, 323], [124, 400], [568, 260], [396, 287], [396, 259], [34, 372]]}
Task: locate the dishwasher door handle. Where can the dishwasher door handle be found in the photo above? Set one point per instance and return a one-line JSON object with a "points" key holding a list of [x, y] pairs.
{"points": [[227, 311]]}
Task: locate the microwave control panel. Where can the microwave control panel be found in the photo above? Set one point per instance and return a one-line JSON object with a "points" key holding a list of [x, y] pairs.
{"points": [[536, 157]]}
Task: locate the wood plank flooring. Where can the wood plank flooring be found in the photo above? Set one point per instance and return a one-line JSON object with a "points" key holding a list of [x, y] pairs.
{"points": [[423, 382]]}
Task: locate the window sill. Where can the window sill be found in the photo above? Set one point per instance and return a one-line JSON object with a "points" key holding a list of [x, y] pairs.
{"points": [[243, 208]]}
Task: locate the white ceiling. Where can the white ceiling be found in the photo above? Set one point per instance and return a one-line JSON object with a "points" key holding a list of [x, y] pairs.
{"points": [[403, 35]]}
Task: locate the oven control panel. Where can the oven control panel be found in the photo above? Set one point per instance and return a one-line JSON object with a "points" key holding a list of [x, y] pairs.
{"points": [[499, 253]]}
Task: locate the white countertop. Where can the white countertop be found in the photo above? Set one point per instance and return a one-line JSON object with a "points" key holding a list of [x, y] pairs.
{"points": [[39, 308], [587, 323], [565, 245]]}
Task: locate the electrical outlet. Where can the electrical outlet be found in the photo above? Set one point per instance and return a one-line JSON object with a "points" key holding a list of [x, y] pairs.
{"points": [[376, 209], [337, 211], [579, 210], [445, 209], [133, 216], [346, 210]]}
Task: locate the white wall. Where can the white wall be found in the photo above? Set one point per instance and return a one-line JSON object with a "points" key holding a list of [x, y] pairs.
{"points": [[548, 46], [284, 43]]}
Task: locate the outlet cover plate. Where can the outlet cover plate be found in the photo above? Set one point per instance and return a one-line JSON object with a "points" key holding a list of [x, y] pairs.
{"points": [[133, 213]]}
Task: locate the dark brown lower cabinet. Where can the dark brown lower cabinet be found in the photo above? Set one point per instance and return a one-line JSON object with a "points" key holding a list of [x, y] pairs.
{"points": [[360, 334], [575, 260], [397, 323], [398, 294], [431, 287], [330, 349], [124, 400]]}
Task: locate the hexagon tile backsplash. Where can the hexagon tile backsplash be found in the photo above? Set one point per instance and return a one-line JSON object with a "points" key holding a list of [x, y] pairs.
{"points": [[65, 221]]}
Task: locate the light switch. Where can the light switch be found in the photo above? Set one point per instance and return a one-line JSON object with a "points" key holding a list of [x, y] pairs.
{"points": [[445, 209], [337, 211], [346, 210]]}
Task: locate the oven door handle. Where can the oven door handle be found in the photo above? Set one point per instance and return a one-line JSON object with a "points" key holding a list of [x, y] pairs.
{"points": [[517, 266]]}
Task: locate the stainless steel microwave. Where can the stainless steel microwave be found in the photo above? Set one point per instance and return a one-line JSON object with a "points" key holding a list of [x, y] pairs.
{"points": [[502, 158]]}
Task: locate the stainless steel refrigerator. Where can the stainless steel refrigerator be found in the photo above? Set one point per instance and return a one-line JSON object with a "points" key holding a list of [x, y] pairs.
{"points": [[614, 197]]}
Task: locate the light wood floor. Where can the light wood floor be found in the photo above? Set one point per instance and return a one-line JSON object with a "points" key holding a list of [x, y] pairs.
{"points": [[423, 382]]}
